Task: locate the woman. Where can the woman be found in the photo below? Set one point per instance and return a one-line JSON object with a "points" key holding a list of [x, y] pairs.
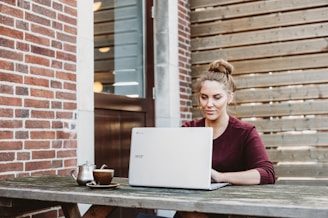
{"points": [[239, 156]]}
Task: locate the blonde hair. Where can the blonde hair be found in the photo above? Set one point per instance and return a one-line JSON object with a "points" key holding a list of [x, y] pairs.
{"points": [[220, 71]]}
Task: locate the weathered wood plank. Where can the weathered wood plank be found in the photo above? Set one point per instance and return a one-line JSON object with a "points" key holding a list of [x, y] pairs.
{"points": [[300, 155], [260, 36], [252, 9], [318, 170], [303, 181], [302, 77], [210, 3], [281, 125], [300, 62], [253, 23], [319, 139], [299, 47], [281, 109], [306, 92]]}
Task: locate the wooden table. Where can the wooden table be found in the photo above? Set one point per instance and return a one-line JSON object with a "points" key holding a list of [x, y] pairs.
{"points": [[26, 193]]}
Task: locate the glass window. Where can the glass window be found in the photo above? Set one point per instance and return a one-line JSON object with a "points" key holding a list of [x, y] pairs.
{"points": [[119, 47]]}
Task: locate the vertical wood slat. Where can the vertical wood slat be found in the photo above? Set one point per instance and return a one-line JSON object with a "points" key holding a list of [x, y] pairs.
{"points": [[280, 54]]}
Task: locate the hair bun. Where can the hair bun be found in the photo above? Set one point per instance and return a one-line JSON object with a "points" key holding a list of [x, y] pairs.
{"points": [[221, 66]]}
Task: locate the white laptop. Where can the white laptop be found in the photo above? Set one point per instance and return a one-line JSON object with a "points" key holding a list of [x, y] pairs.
{"points": [[172, 158]]}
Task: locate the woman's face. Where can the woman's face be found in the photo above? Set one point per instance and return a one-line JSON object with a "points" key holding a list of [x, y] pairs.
{"points": [[214, 100]]}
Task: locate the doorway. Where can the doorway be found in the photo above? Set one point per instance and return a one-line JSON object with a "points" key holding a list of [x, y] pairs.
{"points": [[124, 78]]}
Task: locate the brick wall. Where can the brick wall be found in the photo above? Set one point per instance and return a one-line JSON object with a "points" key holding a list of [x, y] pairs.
{"points": [[184, 59], [37, 87]]}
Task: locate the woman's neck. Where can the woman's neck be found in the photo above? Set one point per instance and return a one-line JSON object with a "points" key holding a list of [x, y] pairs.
{"points": [[219, 125]]}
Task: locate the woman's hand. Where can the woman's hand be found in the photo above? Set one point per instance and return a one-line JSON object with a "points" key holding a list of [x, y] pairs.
{"points": [[217, 176], [248, 177]]}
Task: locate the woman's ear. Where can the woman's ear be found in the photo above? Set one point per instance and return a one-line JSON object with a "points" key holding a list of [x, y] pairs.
{"points": [[230, 98]]}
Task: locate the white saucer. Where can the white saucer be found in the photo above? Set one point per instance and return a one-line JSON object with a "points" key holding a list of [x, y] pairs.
{"points": [[112, 185]]}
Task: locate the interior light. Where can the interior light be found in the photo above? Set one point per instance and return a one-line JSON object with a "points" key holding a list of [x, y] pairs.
{"points": [[125, 84], [97, 87], [104, 49], [96, 5]]}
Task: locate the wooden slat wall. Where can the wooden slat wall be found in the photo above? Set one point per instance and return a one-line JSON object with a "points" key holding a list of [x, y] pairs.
{"points": [[279, 51]]}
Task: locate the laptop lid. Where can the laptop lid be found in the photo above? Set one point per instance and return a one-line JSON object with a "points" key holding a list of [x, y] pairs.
{"points": [[171, 157]]}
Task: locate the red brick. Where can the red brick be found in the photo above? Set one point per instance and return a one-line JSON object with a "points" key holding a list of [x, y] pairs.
{"points": [[57, 25], [66, 153], [42, 93], [15, 34], [21, 68], [42, 71], [6, 65], [37, 39], [42, 51], [57, 144], [7, 21], [7, 156], [43, 114], [8, 101], [37, 60], [46, 31], [70, 106], [37, 144], [8, 43], [70, 67], [43, 154], [36, 103], [66, 38], [70, 30], [10, 145], [70, 144], [65, 56], [57, 6], [6, 89], [57, 164], [6, 112], [67, 19], [66, 76], [21, 91], [56, 84], [66, 95], [10, 77], [21, 135], [56, 125], [70, 48], [69, 2], [11, 55], [37, 9], [12, 11], [23, 156], [37, 165], [37, 19], [36, 81], [37, 124], [64, 115], [66, 135], [56, 64], [70, 86], [22, 113], [42, 134], [21, 24], [56, 105], [70, 162], [11, 124], [22, 46], [11, 166]]}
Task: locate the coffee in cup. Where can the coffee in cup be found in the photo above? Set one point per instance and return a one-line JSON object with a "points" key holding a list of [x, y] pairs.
{"points": [[103, 176]]}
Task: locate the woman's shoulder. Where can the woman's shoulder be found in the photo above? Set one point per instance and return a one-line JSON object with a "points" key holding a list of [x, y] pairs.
{"points": [[194, 123], [239, 124]]}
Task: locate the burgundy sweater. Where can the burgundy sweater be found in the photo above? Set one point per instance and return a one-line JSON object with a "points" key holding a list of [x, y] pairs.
{"points": [[239, 148]]}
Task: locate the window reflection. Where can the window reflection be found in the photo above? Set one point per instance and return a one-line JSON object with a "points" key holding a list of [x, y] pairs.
{"points": [[119, 47]]}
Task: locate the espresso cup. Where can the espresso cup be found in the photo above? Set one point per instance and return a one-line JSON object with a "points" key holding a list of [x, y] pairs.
{"points": [[103, 176]]}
